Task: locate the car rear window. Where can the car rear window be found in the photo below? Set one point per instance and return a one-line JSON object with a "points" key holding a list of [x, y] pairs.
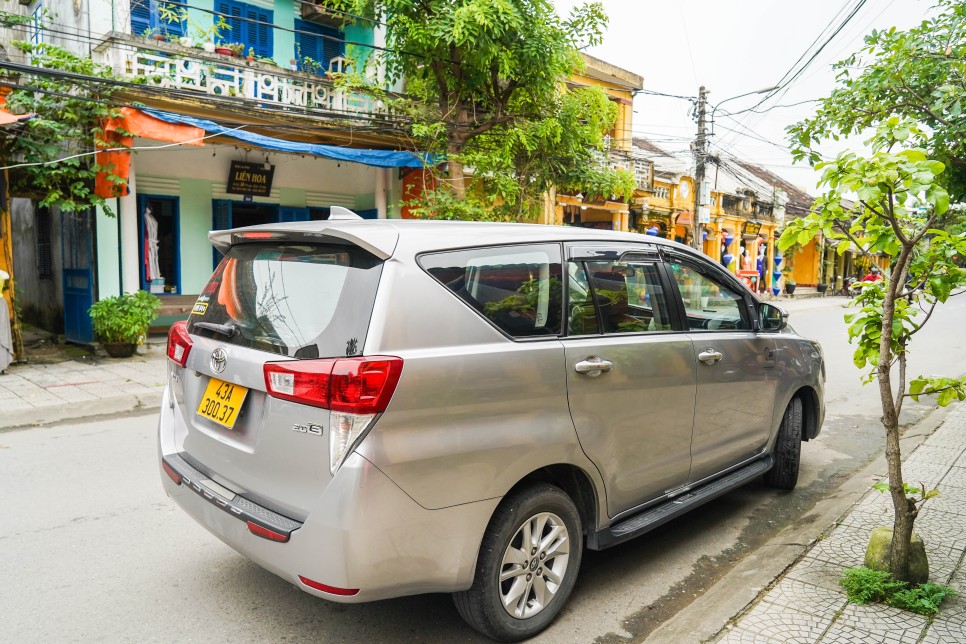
{"points": [[517, 288], [298, 300]]}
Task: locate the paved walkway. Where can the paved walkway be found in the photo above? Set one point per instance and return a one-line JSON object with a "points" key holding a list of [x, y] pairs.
{"points": [[806, 604], [35, 394]]}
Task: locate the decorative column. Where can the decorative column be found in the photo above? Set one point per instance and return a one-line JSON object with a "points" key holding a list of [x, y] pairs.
{"points": [[130, 237]]}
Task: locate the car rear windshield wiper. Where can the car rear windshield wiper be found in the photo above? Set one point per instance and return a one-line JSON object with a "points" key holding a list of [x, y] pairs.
{"points": [[225, 329]]}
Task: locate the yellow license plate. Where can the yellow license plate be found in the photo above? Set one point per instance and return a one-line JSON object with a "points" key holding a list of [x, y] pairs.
{"points": [[221, 402]]}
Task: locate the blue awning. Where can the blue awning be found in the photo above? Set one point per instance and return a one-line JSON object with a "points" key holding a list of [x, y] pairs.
{"points": [[377, 158]]}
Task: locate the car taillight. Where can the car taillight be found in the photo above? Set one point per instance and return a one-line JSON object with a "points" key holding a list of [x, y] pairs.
{"points": [[353, 389], [350, 385], [179, 343]]}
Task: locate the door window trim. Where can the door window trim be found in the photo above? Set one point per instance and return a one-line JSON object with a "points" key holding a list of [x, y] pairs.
{"points": [[716, 274], [583, 252]]}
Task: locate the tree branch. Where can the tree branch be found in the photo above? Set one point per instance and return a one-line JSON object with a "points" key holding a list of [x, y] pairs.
{"points": [[926, 319]]}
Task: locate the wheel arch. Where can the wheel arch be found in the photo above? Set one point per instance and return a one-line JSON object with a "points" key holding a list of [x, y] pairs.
{"points": [[576, 483], [811, 423]]}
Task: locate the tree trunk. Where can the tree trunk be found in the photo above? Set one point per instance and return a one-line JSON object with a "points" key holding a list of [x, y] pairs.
{"points": [[905, 508]]}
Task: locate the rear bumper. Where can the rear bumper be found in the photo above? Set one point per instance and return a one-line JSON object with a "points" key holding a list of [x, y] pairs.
{"points": [[362, 533]]}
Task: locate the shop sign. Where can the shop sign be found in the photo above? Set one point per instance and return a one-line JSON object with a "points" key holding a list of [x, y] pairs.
{"points": [[253, 179], [751, 228]]}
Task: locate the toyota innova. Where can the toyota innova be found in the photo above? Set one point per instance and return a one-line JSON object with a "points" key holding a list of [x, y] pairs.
{"points": [[371, 409]]}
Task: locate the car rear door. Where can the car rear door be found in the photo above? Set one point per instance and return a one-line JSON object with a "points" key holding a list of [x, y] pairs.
{"points": [[296, 304], [735, 366], [630, 376]]}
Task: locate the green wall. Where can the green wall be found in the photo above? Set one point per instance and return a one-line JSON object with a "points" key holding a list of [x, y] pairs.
{"points": [[195, 222], [108, 258]]}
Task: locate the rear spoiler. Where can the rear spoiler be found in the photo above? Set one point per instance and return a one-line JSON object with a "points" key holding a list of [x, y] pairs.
{"points": [[342, 226]]}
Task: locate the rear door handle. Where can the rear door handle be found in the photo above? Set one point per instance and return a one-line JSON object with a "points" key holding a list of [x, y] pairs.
{"points": [[709, 356], [593, 366]]}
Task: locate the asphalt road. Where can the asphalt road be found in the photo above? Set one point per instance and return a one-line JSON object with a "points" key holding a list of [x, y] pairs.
{"points": [[92, 550]]}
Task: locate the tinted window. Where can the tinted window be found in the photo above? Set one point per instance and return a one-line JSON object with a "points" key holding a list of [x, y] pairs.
{"points": [[517, 288], [629, 298], [710, 305], [300, 300]]}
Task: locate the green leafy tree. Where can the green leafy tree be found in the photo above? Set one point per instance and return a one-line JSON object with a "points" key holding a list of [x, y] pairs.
{"points": [[68, 117], [485, 86], [919, 74], [900, 200]]}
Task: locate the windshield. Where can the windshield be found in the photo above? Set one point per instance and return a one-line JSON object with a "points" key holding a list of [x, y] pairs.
{"points": [[299, 300]]}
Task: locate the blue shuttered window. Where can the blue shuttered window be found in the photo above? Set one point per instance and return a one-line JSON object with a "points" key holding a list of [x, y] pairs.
{"points": [[140, 17], [250, 25], [146, 18], [321, 44]]}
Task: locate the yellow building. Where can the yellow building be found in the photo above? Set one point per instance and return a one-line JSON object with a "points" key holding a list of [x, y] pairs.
{"points": [[620, 86]]}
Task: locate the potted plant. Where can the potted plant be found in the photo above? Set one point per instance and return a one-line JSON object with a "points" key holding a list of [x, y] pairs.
{"points": [[208, 36], [121, 322], [236, 49], [251, 55], [789, 280]]}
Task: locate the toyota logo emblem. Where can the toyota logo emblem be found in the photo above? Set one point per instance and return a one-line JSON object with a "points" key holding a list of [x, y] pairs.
{"points": [[219, 360]]}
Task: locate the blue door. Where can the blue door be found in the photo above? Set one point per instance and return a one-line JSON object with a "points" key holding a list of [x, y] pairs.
{"points": [[77, 275]]}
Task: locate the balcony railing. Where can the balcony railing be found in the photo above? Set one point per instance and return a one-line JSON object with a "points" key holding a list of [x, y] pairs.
{"points": [[168, 65], [620, 160]]}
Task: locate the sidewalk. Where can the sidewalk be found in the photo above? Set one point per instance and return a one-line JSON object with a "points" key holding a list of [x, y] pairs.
{"points": [[802, 603], [806, 603], [37, 394]]}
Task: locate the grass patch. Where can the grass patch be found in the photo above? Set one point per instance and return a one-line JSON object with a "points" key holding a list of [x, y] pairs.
{"points": [[864, 585]]}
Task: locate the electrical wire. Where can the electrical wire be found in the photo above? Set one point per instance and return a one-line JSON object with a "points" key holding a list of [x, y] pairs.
{"points": [[120, 149]]}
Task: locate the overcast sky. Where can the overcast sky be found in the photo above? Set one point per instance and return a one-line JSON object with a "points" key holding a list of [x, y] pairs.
{"points": [[732, 47]]}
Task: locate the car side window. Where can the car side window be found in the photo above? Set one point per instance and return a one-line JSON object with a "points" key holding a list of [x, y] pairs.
{"points": [[709, 304], [516, 288], [629, 296]]}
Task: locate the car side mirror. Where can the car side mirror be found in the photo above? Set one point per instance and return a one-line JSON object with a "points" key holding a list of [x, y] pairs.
{"points": [[771, 317]]}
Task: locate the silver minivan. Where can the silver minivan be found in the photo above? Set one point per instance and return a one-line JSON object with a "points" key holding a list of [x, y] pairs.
{"points": [[371, 409]]}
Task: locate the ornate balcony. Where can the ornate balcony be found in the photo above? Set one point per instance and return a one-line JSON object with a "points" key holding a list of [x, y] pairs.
{"points": [[170, 65]]}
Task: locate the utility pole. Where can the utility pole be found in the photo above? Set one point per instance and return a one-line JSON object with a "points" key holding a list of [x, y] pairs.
{"points": [[700, 152]]}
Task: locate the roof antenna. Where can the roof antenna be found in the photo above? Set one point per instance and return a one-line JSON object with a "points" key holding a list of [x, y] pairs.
{"points": [[343, 214]]}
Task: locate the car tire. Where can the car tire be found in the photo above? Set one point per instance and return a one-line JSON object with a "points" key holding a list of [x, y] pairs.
{"points": [[517, 593], [788, 449]]}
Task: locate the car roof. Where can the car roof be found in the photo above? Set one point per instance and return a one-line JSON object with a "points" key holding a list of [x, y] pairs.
{"points": [[383, 237]]}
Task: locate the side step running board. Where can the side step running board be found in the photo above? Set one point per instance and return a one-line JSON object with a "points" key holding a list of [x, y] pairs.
{"points": [[661, 514]]}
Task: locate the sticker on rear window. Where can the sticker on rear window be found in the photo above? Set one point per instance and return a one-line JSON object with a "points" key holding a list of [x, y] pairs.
{"points": [[199, 308]]}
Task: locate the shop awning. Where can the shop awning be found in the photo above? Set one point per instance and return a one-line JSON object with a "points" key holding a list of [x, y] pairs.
{"points": [[377, 158], [119, 133]]}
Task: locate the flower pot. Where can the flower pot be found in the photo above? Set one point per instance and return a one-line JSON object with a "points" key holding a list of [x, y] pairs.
{"points": [[790, 289], [208, 47], [224, 51], [120, 349], [822, 288]]}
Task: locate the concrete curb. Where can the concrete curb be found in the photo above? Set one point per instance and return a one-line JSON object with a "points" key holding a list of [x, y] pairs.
{"points": [[78, 411], [739, 590]]}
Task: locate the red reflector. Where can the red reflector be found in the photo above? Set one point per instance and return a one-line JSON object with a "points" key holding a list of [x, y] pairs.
{"points": [[265, 533], [332, 590], [170, 472], [179, 343], [255, 235], [350, 385]]}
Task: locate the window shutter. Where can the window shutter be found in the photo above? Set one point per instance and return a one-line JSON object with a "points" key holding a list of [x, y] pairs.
{"points": [[332, 47], [319, 43], [140, 17], [220, 220], [262, 39], [288, 213]]}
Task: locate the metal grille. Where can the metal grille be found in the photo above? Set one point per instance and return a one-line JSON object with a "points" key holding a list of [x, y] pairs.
{"points": [[45, 257]]}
